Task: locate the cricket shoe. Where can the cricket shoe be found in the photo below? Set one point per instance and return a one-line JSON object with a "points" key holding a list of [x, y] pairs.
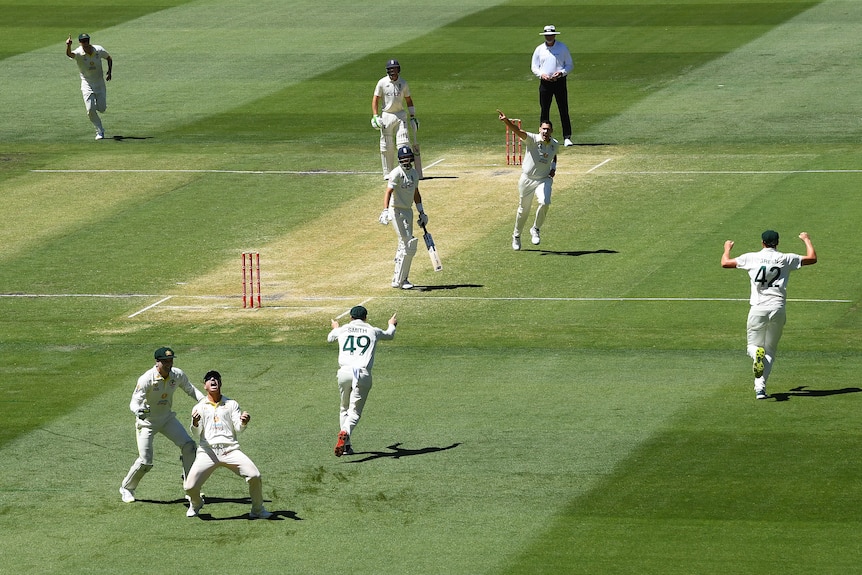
{"points": [[761, 394], [343, 438], [127, 494], [100, 135], [348, 450], [516, 243], [406, 284], [534, 236], [262, 514], [757, 366], [193, 511], [568, 142]]}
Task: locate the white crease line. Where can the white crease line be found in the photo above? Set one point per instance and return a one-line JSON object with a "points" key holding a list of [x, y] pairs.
{"points": [[149, 307], [263, 172], [597, 166], [434, 164], [729, 172]]}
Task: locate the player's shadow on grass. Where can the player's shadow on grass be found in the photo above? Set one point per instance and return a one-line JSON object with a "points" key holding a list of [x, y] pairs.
{"points": [[121, 138], [209, 500], [801, 391], [442, 287], [398, 452], [572, 253]]}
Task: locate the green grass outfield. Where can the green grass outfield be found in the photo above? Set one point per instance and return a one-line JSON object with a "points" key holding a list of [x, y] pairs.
{"points": [[582, 406]]}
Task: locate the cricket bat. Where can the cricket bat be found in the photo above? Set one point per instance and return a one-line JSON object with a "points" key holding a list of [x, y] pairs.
{"points": [[432, 250], [414, 142]]}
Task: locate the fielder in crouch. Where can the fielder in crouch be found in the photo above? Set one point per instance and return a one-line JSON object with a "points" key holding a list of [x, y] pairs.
{"points": [[401, 193], [539, 166], [152, 403], [388, 115], [89, 60], [217, 421], [357, 342], [769, 271]]}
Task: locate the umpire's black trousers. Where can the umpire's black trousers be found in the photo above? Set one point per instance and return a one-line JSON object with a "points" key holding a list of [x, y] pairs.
{"points": [[548, 90]]}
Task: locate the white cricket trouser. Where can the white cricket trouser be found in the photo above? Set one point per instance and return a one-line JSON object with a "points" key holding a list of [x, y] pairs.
{"points": [[354, 385], [402, 222], [393, 135], [764, 329], [527, 188], [95, 100], [209, 458], [171, 428]]}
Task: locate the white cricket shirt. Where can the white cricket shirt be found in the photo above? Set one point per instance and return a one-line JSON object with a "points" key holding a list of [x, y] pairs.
{"points": [[392, 94], [357, 341], [769, 271], [539, 156]]}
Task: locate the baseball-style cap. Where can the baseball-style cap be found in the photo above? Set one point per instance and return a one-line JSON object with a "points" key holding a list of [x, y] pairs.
{"points": [[84, 36], [358, 312], [164, 353], [770, 238], [212, 374], [549, 31]]}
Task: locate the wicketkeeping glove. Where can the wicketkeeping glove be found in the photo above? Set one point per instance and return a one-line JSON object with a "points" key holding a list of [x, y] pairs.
{"points": [[414, 122], [384, 217], [422, 220], [377, 122]]}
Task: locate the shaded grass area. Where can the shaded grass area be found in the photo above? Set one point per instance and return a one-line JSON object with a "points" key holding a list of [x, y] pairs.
{"points": [[706, 496]]}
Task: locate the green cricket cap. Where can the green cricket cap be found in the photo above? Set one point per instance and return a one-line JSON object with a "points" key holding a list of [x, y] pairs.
{"points": [[770, 238], [164, 353], [358, 312], [83, 36]]}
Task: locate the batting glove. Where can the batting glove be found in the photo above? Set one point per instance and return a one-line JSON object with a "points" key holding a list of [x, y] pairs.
{"points": [[377, 122], [384, 217], [414, 122], [422, 220], [142, 412]]}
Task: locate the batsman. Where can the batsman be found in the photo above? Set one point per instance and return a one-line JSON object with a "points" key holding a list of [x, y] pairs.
{"points": [[402, 191], [388, 116]]}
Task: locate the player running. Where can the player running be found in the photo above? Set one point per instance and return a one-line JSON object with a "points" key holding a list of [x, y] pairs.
{"points": [[357, 341], [537, 176], [769, 271]]}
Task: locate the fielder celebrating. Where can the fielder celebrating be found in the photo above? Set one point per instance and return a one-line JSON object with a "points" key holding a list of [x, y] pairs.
{"points": [[402, 191], [391, 119], [769, 271], [216, 422], [152, 403], [538, 169], [89, 59], [356, 344]]}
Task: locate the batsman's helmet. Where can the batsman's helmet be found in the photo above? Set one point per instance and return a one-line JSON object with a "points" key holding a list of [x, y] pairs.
{"points": [[393, 64], [405, 156]]}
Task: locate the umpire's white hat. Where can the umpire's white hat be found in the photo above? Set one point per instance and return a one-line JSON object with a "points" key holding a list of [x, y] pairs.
{"points": [[549, 31]]}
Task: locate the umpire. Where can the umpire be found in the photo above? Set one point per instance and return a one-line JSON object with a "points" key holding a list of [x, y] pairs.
{"points": [[552, 62]]}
